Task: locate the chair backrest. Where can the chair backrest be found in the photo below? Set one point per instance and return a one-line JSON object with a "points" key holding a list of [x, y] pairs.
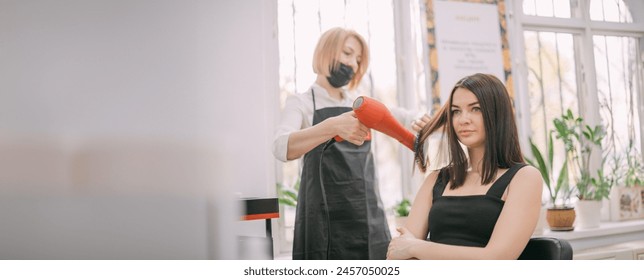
{"points": [[547, 248]]}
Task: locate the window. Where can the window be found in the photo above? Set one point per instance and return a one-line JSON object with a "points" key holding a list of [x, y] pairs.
{"points": [[381, 23], [584, 55]]}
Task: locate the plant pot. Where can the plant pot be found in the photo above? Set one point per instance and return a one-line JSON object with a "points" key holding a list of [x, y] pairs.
{"points": [[589, 212], [400, 221], [561, 219]]}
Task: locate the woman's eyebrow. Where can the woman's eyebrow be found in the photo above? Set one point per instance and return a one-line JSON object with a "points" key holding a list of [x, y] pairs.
{"points": [[469, 105]]}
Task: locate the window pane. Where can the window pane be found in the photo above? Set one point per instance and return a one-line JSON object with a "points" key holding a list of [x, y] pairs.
{"points": [[552, 78], [544, 8], [306, 31], [529, 7], [422, 66], [547, 8], [552, 83], [332, 13], [610, 10], [617, 76]]}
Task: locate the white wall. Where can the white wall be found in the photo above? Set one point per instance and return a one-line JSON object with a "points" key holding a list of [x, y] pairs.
{"points": [[136, 99]]}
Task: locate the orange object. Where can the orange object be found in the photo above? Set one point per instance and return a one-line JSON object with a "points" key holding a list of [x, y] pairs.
{"points": [[373, 114], [260, 216]]}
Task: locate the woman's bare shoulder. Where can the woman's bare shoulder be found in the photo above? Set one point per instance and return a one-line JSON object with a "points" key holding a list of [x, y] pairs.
{"points": [[430, 179], [529, 172], [528, 175]]}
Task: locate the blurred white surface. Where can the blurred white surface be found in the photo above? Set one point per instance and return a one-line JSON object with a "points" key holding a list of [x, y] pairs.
{"points": [[126, 127]]}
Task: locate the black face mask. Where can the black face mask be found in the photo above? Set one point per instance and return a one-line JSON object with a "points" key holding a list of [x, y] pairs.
{"points": [[341, 76]]}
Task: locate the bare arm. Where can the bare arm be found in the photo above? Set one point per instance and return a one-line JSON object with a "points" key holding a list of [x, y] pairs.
{"points": [[417, 225], [345, 125], [417, 222], [511, 232]]}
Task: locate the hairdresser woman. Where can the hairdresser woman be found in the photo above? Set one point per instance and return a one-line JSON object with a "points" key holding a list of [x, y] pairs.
{"points": [[346, 220]]}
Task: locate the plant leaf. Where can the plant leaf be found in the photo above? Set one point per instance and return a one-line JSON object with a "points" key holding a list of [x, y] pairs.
{"points": [[541, 165]]}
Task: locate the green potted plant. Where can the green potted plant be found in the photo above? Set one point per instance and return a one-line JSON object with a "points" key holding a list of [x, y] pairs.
{"points": [[560, 215], [288, 196], [401, 211], [580, 140]]}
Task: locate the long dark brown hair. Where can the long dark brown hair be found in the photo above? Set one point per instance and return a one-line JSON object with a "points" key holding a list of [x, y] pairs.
{"points": [[502, 149]]}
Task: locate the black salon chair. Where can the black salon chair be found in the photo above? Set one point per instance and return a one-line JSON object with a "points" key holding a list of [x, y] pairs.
{"points": [[547, 248]]}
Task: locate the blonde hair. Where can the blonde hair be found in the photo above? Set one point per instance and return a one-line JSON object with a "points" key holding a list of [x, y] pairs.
{"points": [[328, 50]]}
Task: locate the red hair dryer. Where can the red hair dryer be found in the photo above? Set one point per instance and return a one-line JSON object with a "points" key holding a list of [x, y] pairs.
{"points": [[374, 114]]}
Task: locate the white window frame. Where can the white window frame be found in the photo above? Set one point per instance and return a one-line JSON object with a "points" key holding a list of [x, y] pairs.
{"points": [[585, 28]]}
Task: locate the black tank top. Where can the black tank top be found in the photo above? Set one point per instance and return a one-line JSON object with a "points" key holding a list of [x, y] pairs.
{"points": [[466, 220]]}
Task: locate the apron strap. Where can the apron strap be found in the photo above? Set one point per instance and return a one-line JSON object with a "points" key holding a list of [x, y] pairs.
{"points": [[313, 95]]}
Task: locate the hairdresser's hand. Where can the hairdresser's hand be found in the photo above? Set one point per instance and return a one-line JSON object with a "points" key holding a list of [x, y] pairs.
{"points": [[418, 124], [399, 247], [350, 128]]}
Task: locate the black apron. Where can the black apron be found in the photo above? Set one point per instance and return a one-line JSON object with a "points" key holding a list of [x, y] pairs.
{"points": [[356, 226]]}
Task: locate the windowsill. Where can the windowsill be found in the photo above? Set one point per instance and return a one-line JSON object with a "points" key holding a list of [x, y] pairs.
{"points": [[605, 228], [608, 233]]}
